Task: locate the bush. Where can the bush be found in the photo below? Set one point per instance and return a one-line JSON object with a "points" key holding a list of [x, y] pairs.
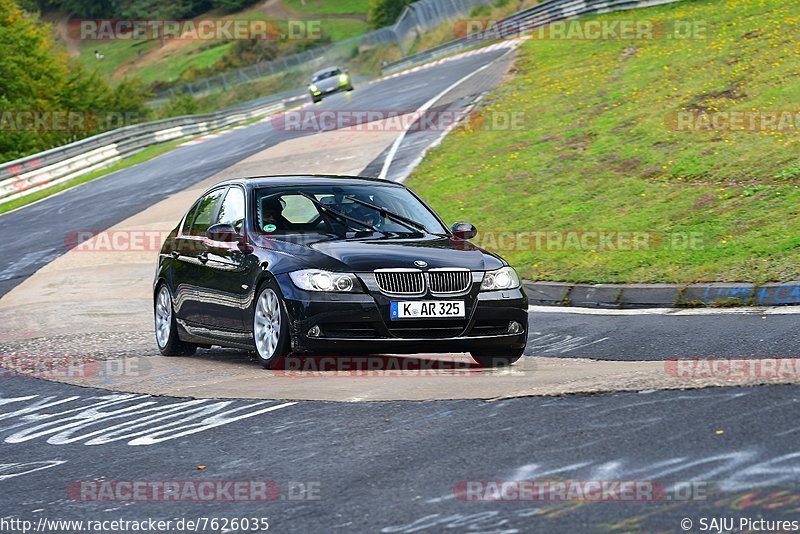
{"points": [[385, 12], [232, 5], [180, 104]]}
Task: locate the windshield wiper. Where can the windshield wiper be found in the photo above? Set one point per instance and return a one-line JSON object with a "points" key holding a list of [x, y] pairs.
{"points": [[405, 221], [330, 211]]}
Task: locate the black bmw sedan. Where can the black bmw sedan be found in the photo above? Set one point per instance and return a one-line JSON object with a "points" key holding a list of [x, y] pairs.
{"points": [[332, 265]]}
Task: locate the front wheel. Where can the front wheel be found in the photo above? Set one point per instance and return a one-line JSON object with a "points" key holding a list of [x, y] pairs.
{"points": [[497, 359], [349, 88], [166, 328], [270, 326]]}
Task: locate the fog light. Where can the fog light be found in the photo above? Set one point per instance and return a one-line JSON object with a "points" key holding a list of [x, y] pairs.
{"points": [[314, 331], [514, 327]]}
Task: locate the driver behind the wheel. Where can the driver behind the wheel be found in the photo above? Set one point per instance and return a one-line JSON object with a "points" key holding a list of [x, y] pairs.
{"points": [[368, 216]]}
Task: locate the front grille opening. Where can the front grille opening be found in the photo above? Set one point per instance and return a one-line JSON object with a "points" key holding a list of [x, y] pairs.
{"points": [[450, 281], [348, 332], [401, 282], [427, 329]]}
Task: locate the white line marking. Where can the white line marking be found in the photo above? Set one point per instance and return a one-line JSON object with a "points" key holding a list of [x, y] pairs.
{"points": [[19, 469], [425, 107], [775, 310]]}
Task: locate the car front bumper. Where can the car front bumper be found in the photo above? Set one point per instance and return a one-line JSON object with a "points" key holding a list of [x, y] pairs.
{"points": [[358, 323]]}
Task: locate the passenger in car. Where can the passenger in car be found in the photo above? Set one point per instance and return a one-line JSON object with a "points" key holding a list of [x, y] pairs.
{"points": [[272, 219]]}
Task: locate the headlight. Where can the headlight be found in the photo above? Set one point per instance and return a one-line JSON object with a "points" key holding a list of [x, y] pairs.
{"points": [[313, 88], [316, 280], [343, 78], [505, 278]]}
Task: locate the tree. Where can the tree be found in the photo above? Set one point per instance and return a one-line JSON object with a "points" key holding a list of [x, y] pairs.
{"points": [[38, 77]]}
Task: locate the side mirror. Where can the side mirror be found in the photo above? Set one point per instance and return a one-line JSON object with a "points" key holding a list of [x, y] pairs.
{"points": [[463, 230], [223, 232]]}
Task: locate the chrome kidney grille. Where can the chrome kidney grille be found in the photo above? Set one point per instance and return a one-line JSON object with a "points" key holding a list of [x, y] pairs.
{"points": [[415, 282], [449, 282], [400, 281]]}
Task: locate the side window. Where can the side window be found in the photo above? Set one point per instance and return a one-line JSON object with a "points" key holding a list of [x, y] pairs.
{"points": [[206, 209], [187, 223], [232, 209]]}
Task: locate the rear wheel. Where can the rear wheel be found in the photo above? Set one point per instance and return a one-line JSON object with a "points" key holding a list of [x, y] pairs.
{"points": [[497, 359], [166, 328], [270, 326]]}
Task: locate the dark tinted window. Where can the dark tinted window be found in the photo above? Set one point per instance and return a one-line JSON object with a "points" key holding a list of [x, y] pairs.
{"points": [[206, 209]]}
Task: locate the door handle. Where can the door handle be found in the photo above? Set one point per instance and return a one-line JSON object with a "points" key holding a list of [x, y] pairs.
{"points": [[203, 257]]}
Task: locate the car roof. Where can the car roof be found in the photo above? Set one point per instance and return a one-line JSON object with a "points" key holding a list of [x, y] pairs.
{"points": [[306, 179]]}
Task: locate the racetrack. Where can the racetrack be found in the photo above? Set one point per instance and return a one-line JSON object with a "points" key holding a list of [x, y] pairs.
{"points": [[113, 198], [390, 465]]}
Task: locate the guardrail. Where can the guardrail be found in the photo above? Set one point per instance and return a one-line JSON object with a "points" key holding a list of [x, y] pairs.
{"points": [[23, 176], [512, 26]]}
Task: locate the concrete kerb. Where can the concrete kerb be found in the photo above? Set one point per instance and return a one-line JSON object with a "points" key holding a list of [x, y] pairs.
{"points": [[629, 296]]}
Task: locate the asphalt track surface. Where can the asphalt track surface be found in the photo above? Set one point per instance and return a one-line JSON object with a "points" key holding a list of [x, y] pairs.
{"points": [[393, 466], [662, 337]]}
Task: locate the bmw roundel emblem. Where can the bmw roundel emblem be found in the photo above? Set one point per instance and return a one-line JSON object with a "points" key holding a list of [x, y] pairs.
{"points": [[420, 263]]}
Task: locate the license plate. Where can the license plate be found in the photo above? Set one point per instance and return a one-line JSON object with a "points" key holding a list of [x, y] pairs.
{"points": [[427, 309]]}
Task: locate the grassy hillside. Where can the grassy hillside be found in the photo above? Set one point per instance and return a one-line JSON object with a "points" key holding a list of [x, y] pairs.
{"points": [[596, 151], [328, 7], [175, 60]]}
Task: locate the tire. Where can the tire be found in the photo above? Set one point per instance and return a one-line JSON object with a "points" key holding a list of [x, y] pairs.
{"points": [[316, 100], [270, 326], [349, 88], [497, 360], [166, 329]]}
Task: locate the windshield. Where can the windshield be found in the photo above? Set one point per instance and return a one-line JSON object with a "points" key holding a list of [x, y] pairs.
{"points": [[324, 75], [340, 209]]}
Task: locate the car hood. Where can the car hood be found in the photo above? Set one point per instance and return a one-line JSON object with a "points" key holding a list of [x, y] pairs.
{"points": [[366, 255]]}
